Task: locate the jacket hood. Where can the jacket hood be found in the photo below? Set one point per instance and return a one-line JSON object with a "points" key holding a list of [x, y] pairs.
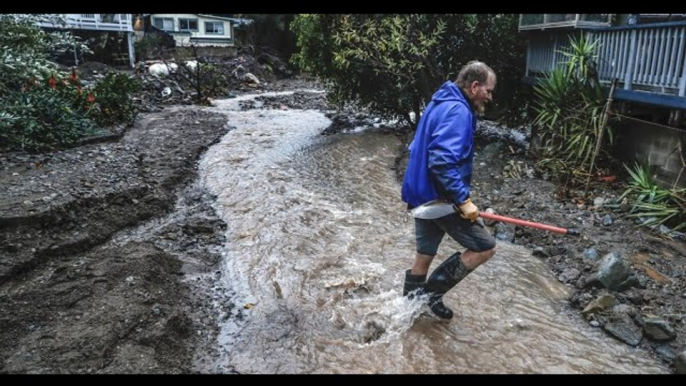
{"points": [[449, 92]]}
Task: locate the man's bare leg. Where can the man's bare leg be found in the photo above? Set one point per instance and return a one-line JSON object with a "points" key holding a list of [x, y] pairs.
{"points": [[421, 264], [472, 259]]}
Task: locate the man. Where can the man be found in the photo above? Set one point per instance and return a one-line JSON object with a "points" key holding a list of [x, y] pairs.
{"points": [[437, 182]]}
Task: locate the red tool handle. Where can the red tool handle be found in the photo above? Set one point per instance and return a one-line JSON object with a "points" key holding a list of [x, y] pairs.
{"points": [[564, 231]]}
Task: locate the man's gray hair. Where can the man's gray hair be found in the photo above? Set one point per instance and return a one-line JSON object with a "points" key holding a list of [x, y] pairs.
{"points": [[474, 71]]}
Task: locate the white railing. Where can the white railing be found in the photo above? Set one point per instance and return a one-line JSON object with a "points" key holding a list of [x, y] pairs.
{"points": [[548, 21], [650, 57], [97, 21], [646, 57]]}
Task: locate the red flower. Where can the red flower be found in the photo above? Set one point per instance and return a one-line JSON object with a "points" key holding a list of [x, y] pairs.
{"points": [[73, 77], [78, 89], [52, 82], [91, 97]]}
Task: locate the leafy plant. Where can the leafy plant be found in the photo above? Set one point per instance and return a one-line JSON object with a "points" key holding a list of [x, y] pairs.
{"points": [[660, 206], [26, 49], [392, 64], [40, 107], [570, 108], [113, 98], [43, 115]]}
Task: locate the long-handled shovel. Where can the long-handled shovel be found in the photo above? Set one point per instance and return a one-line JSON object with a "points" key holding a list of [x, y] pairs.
{"points": [[437, 208], [545, 227]]}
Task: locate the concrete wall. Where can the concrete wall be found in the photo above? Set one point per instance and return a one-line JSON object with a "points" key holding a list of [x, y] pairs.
{"points": [[220, 52], [653, 145]]}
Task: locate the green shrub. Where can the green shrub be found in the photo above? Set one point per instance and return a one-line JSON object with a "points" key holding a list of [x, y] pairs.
{"points": [[45, 115], [392, 64], [114, 99]]}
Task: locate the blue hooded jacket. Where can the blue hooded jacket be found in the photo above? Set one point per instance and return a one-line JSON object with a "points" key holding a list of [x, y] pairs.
{"points": [[442, 152]]}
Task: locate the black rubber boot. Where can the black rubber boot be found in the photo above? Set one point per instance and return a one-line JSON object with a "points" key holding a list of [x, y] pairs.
{"points": [[444, 278], [439, 308], [413, 283]]}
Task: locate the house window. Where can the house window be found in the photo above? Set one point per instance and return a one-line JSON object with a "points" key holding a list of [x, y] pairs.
{"points": [[531, 19], [188, 24], [214, 27], [164, 23], [597, 17]]}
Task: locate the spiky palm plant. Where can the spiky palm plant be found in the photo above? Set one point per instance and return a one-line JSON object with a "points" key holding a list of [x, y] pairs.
{"points": [[570, 106], [661, 206]]}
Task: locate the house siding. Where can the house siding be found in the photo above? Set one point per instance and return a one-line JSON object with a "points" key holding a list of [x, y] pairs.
{"points": [[649, 61], [199, 37]]}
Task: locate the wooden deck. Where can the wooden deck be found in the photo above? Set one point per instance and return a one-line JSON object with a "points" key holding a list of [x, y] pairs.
{"points": [[644, 58], [121, 22]]}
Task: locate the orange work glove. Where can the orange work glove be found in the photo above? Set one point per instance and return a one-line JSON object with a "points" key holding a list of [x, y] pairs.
{"points": [[468, 210]]}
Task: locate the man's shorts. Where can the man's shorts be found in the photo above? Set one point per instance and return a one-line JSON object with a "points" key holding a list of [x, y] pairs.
{"points": [[472, 235]]}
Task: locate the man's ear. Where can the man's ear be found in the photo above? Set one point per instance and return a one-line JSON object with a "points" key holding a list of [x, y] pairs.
{"points": [[473, 86]]}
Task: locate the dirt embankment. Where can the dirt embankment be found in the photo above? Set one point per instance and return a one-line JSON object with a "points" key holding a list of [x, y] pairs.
{"points": [[75, 301], [78, 299]]}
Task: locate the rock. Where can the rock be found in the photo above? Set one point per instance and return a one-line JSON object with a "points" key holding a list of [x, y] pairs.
{"points": [[581, 283], [631, 281], [538, 252], [625, 309], [598, 305], [504, 232], [658, 329], [664, 229], [191, 64], [569, 274], [666, 352], [491, 150], [622, 327], [607, 220], [159, 70], [642, 281], [490, 223], [591, 254], [680, 363], [594, 323], [251, 79], [556, 251], [598, 202], [635, 298], [612, 272]]}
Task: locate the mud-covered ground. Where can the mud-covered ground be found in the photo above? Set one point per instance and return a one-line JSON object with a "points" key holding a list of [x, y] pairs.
{"points": [[80, 292], [624, 279], [75, 301], [627, 280]]}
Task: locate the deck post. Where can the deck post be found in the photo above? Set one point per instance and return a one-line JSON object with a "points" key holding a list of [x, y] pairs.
{"points": [[632, 61]]}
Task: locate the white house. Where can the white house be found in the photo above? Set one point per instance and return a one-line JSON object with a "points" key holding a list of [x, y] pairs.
{"points": [[196, 29], [106, 22]]}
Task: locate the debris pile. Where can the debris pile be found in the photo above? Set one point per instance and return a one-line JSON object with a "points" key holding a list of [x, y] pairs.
{"points": [[174, 82]]}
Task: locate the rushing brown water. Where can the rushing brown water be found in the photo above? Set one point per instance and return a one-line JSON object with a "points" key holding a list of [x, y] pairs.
{"points": [[317, 244]]}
